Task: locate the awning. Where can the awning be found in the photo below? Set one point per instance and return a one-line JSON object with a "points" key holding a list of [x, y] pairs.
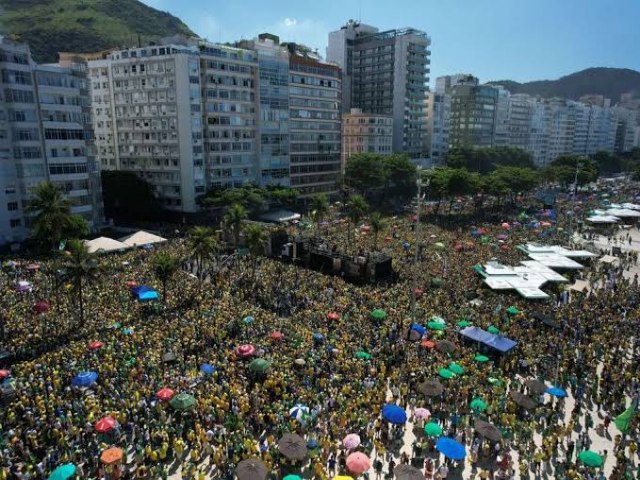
{"points": [[496, 342], [608, 259], [105, 244], [579, 286], [142, 238]]}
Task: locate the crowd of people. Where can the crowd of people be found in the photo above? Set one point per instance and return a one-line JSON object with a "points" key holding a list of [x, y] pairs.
{"points": [[330, 365]]}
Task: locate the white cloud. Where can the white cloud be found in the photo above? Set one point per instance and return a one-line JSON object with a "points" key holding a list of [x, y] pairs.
{"points": [[290, 22]]}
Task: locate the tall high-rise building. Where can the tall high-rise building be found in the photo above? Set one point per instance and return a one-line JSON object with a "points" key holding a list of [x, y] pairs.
{"points": [[445, 83], [385, 73], [439, 123], [366, 133], [45, 134], [473, 115]]}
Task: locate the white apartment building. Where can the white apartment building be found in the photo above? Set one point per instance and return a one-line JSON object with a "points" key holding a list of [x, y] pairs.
{"points": [[366, 133], [45, 134]]}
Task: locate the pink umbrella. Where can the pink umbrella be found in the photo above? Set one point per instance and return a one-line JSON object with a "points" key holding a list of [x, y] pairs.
{"points": [[95, 345], [421, 413], [4, 374], [245, 351], [277, 336], [358, 463], [351, 441], [333, 316]]}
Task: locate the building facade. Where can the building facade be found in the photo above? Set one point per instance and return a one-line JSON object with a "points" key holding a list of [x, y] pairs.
{"points": [[366, 133], [45, 135], [386, 73], [473, 115]]}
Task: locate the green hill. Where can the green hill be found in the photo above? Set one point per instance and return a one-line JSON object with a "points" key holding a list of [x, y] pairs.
{"points": [[610, 82], [52, 26]]}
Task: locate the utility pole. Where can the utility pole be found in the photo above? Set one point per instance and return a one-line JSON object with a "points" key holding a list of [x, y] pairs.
{"points": [[573, 202], [417, 252]]}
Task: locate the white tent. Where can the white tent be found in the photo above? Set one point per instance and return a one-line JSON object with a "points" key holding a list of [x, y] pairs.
{"points": [[142, 238], [105, 244], [603, 219], [623, 212]]}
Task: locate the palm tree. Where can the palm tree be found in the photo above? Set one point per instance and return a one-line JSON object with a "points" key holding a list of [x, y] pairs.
{"points": [[356, 208], [377, 224], [164, 268], [255, 238], [233, 220], [202, 246], [319, 206], [81, 268], [52, 214]]}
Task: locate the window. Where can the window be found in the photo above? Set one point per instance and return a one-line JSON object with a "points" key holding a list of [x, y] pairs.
{"points": [[14, 222], [18, 96], [12, 206], [60, 134]]}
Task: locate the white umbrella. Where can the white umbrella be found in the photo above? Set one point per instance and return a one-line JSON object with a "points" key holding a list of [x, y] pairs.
{"points": [[299, 412]]}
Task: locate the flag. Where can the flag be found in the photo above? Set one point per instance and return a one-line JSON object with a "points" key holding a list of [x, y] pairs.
{"points": [[623, 421]]}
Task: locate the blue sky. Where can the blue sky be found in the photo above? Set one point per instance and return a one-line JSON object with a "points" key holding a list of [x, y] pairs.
{"points": [[494, 39]]}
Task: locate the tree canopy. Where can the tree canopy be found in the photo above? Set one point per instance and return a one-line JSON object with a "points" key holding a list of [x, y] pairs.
{"points": [[485, 160], [253, 198], [395, 174], [563, 170]]}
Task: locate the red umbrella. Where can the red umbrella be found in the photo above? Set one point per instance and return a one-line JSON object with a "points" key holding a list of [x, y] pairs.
{"points": [[95, 345], [333, 316], [165, 394], [428, 344], [277, 336], [417, 292], [131, 284], [105, 424], [505, 226], [41, 307], [245, 351], [358, 463], [4, 374]]}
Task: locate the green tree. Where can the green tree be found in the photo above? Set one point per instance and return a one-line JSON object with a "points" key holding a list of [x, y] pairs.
{"points": [[255, 238], [608, 163], [164, 267], [485, 160], [400, 176], [319, 207], [517, 179], [356, 209], [563, 170], [233, 220], [365, 171], [53, 221], [81, 270], [202, 246], [287, 197], [377, 224]]}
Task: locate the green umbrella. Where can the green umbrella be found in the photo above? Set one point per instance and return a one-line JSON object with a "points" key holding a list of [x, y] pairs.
{"points": [[439, 245], [436, 282], [455, 368], [379, 314], [493, 330], [463, 323], [437, 319], [444, 373], [496, 382], [512, 310], [478, 405], [433, 429], [591, 459], [63, 472], [436, 326], [259, 365], [182, 401], [484, 239], [292, 477], [481, 358], [363, 355]]}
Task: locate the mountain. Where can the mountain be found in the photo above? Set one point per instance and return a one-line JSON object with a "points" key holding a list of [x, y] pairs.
{"points": [[610, 82], [52, 26]]}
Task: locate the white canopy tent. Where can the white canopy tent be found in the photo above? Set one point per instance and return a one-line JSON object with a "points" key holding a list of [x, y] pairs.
{"points": [[603, 219], [142, 238], [105, 244]]}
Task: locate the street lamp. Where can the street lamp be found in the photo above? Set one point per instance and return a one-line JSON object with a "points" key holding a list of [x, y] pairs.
{"points": [[420, 184], [573, 202]]}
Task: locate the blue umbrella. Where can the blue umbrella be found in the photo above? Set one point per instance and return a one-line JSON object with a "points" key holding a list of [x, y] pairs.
{"points": [[557, 392], [84, 379], [318, 337], [394, 414], [450, 448], [312, 444], [248, 320], [63, 472], [127, 331], [207, 369], [418, 328], [148, 295]]}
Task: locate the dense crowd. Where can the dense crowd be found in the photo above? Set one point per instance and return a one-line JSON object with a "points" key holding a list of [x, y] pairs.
{"points": [[342, 369]]}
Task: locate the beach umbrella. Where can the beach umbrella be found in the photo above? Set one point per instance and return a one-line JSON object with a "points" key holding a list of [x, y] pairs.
{"points": [[436, 282], [421, 413], [291, 476], [417, 292], [407, 472], [207, 368], [251, 469], [463, 323], [276, 335], [430, 388], [502, 236], [523, 400], [300, 362], [439, 246], [446, 346], [496, 382], [84, 379], [488, 431], [95, 345], [493, 330], [436, 326], [556, 392], [363, 355], [378, 314], [293, 446], [342, 477], [183, 401], [41, 307], [165, 394], [358, 463], [259, 365], [394, 414], [505, 226], [131, 284], [432, 429], [428, 344], [536, 386], [591, 458], [245, 351], [63, 472], [455, 368], [351, 441], [450, 448], [444, 373], [169, 357], [478, 405], [312, 444], [512, 310], [318, 337], [4, 374], [333, 316], [299, 412], [105, 424], [481, 358], [111, 455], [248, 320], [418, 328]]}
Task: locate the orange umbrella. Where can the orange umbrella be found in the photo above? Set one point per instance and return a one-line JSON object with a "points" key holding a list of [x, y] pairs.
{"points": [[111, 455], [428, 344]]}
